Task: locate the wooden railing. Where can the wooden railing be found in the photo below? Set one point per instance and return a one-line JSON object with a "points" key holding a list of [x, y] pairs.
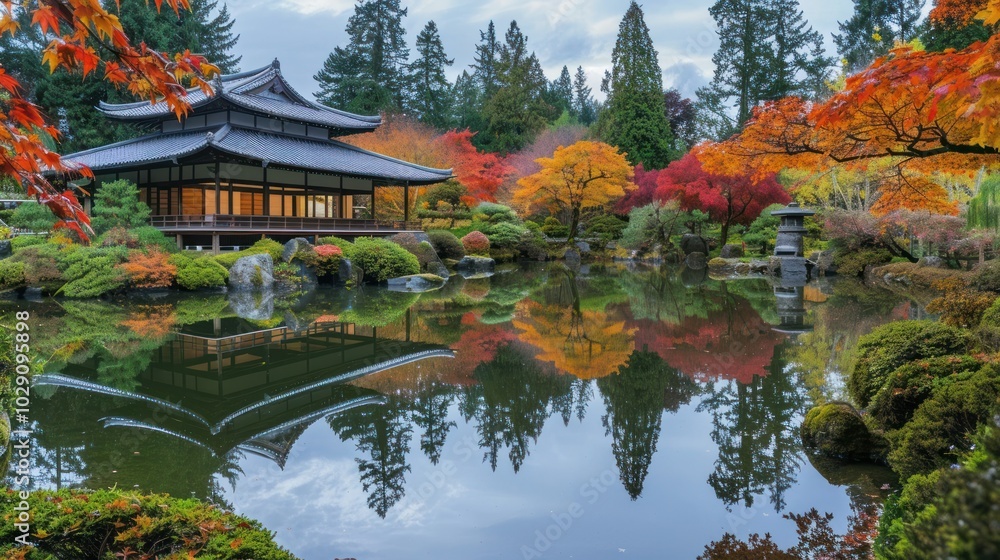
{"points": [[277, 223]]}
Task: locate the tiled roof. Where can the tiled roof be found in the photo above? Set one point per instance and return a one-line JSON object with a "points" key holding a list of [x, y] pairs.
{"points": [[283, 150], [239, 89]]}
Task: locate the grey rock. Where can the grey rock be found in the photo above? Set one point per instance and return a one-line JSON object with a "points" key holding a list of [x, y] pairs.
{"points": [[732, 251], [348, 272], [253, 306], [5, 249], [572, 258], [758, 266], [693, 277], [696, 261], [476, 265], [773, 266], [438, 269], [723, 267], [692, 243], [611, 246], [244, 274], [932, 262], [824, 262], [742, 268], [294, 247], [583, 247], [416, 283]]}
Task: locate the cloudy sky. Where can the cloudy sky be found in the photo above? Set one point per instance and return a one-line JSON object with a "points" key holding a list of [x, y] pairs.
{"points": [[301, 33]]}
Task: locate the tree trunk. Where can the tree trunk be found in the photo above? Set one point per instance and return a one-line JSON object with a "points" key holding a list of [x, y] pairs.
{"points": [[724, 236], [574, 224]]}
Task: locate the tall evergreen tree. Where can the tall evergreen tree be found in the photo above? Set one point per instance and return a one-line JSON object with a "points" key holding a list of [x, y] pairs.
{"points": [[583, 101], [487, 59], [798, 64], [466, 111], [218, 43], [517, 111], [874, 28], [431, 90], [634, 119], [369, 72], [562, 92]]}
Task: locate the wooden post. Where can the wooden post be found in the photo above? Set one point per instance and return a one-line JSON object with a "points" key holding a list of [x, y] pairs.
{"points": [[218, 189], [267, 195], [216, 249], [406, 202], [180, 242]]}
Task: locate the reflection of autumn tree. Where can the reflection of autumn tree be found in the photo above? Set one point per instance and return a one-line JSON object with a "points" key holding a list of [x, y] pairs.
{"points": [[510, 403], [382, 436], [587, 343], [634, 400], [755, 426], [430, 413]]}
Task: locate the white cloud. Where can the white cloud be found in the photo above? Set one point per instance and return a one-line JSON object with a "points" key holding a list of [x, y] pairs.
{"points": [[311, 7]]}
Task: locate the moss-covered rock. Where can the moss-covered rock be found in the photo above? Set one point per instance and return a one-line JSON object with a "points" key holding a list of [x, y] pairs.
{"points": [[890, 346], [838, 430]]}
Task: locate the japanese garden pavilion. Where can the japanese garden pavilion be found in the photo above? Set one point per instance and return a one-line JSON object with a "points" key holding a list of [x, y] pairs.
{"points": [[254, 159]]}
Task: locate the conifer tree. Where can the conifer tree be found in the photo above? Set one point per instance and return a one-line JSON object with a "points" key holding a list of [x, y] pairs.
{"points": [[874, 28], [562, 93], [797, 64], [583, 101], [431, 90], [635, 120], [369, 72], [516, 112], [486, 61], [467, 105]]}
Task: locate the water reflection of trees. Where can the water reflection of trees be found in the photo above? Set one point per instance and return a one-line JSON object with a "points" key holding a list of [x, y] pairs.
{"points": [[755, 426], [634, 401]]}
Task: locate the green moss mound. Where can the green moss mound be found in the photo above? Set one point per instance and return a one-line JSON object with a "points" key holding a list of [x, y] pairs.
{"points": [[107, 524], [837, 430], [447, 245], [198, 274], [911, 384], [381, 259], [890, 346]]}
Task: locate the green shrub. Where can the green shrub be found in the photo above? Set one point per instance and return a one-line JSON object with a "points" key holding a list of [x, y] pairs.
{"points": [[381, 259], [345, 245], [118, 236], [91, 275], [853, 263], [607, 228], [328, 259], [960, 305], [837, 430], [150, 237], [532, 245], [476, 243], [117, 204], [79, 524], [504, 235], [986, 276], [199, 273], [33, 216], [447, 245], [22, 241], [41, 267], [11, 274], [910, 385], [943, 427], [989, 327], [496, 213], [554, 228], [890, 346], [268, 246]]}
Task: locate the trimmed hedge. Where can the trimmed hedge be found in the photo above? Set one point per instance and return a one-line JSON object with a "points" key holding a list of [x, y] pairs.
{"points": [[200, 273], [11, 274], [381, 259], [447, 245]]}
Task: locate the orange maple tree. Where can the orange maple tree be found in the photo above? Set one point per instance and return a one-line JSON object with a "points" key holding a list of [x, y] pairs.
{"points": [[956, 13], [85, 38]]}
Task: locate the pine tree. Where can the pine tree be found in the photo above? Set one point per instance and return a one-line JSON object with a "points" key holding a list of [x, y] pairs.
{"points": [[218, 45], [369, 73], [635, 120], [798, 64], [874, 28], [516, 112], [467, 106], [486, 61], [562, 93], [741, 69], [583, 101], [431, 89]]}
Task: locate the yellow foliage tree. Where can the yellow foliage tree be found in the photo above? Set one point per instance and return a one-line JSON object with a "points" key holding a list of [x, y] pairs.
{"points": [[583, 176]]}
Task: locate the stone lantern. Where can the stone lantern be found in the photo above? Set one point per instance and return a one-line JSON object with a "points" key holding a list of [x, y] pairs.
{"points": [[791, 231]]}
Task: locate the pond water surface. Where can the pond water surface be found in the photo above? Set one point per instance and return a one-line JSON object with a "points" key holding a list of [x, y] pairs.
{"points": [[541, 413]]}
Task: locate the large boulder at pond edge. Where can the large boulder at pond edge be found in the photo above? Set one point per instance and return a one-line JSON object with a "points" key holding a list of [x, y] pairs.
{"points": [[696, 261], [692, 243], [732, 251], [583, 247], [932, 262], [417, 283], [252, 306], [472, 266], [837, 430], [255, 272], [296, 248]]}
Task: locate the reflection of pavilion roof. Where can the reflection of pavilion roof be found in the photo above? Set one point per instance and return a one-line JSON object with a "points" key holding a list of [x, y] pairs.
{"points": [[261, 397]]}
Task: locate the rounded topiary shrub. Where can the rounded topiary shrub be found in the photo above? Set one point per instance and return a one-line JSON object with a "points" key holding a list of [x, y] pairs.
{"points": [[505, 235], [150, 237], [200, 273], [447, 245], [476, 243], [890, 346], [943, 427], [910, 385], [123, 524], [11, 274], [837, 430], [381, 259]]}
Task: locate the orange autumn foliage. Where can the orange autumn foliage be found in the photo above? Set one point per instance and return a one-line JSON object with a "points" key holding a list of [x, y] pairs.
{"points": [[85, 38], [586, 344], [956, 13], [149, 270], [151, 322]]}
